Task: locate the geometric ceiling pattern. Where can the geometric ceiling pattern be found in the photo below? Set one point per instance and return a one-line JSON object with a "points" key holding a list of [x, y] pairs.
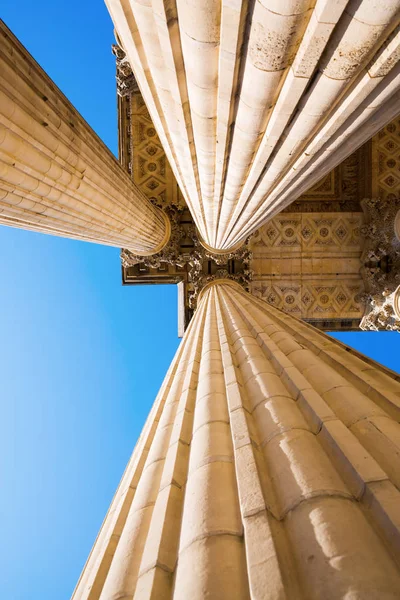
{"points": [[307, 231], [152, 172], [308, 301], [386, 170], [308, 264]]}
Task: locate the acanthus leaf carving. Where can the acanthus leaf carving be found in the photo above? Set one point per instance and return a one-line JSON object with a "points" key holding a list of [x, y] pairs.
{"points": [[126, 81], [195, 259], [381, 263]]}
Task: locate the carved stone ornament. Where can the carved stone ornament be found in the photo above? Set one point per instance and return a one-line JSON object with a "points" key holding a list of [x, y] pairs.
{"points": [[384, 313], [126, 82], [171, 253], [381, 264], [197, 259], [198, 279]]}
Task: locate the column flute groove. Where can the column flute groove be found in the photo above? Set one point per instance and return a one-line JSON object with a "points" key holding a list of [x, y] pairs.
{"points": [[253, 100], [276, 473], [97, 567], [56, 175]]}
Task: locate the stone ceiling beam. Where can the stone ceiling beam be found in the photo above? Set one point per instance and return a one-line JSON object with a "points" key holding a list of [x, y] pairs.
{"points": [[56, 175], [244, 95]]}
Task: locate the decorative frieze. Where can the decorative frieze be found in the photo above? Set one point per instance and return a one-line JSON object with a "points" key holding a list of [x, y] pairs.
{"points": [[342, 189], [308, 265], [235, 266], [381, 256], [151, 170], [198, 265], [309, 232], [126, 82], [383, 312], [381, 263], [386, 162], [310, 300], [171, 253]]}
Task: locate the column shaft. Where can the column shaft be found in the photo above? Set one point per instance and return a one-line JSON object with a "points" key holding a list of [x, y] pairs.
{"points": [[269, 468], [56, 175], [250, 99]]}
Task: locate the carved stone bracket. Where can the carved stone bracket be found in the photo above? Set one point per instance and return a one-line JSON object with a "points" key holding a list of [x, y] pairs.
{"points": [[381, 263], [126, 82]]}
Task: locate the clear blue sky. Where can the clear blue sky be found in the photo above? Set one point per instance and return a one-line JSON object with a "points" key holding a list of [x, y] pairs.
{"points": [[81, 357]]}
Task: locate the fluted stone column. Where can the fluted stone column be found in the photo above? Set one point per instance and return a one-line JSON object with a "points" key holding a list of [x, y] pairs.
{"points": [[253, 101], [56, 175], [268, 468]]}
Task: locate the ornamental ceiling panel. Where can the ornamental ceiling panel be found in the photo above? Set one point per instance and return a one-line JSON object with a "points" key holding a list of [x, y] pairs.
{"points": [[150, 167], [321, 301], [308, 264], [342, 189], [257, 102], [386, 165], [321, 232]]}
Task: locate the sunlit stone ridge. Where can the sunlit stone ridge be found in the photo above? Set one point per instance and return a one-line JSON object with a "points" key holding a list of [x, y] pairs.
{"points": [[256, 101], [267, 469], [56, 175], [269, 465]]}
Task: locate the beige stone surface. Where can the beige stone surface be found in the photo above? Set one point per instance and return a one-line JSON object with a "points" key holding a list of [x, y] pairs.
{"points": [[56, 175], [268, 469], [269, 466], [149, 167], [385, 162], [308, 264], [255, 102]]}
